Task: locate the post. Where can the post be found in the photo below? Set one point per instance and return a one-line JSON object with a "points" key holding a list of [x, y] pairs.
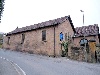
{"points": [[84, 38], [85, 50], [83, 15]]}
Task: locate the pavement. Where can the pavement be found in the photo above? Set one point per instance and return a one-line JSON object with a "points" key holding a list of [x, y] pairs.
{"points": [[8, 68], [32, 64]]}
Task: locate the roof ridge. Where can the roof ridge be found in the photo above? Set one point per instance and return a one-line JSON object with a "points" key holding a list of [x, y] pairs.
{"points": [[40, 25], [88, 25]]}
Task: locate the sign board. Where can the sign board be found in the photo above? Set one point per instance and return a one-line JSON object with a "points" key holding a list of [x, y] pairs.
{"points": [[83, 42]]}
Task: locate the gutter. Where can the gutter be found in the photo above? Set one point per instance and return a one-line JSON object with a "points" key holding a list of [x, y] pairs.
{"points": [[54, 41]]}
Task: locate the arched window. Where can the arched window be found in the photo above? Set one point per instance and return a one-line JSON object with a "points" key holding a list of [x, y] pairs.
{"points": [[61, 36]]}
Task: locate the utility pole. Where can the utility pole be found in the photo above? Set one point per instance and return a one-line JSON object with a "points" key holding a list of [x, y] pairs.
{"points": [[84, 39]]}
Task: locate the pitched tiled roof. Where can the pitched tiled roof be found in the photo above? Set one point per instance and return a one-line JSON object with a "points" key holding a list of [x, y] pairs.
{"points": [[87, 30], [42, 25]]}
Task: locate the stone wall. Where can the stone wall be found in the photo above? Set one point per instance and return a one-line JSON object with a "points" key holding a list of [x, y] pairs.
{"points": [[76, 53], [64, 28], [79, 53], [32, 42], [98, 53]]}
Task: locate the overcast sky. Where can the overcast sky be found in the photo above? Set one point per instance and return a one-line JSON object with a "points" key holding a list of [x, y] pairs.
{"points": [[23, 13]]}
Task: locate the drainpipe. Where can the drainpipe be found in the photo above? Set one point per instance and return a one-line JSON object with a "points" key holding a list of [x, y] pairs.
{"points": [[54, 41]]}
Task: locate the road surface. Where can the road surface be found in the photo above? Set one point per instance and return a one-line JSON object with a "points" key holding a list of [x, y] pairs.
{"points": [[6, 68], [33, 64]]}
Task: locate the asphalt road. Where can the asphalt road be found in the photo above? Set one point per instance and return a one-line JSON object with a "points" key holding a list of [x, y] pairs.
{"points": [[6, 68], [33, 64]]}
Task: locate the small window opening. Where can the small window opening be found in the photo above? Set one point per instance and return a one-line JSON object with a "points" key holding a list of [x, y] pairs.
{"points": [[8, 41], [44, 35], [23, 38], [61, 36]]}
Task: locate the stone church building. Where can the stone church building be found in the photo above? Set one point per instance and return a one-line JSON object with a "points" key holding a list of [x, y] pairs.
{"points": [[42, 38]]}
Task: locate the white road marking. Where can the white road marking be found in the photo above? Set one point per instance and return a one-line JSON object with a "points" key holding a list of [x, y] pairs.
{"points": [[4, 58], [15, 68], [21, 69], [13, 64], [7, 59]]}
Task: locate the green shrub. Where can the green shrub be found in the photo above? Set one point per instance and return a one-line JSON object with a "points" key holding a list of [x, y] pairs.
{"points": [[65, 46]]}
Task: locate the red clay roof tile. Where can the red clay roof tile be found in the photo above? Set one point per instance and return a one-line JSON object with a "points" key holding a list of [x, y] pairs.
{"points": [[87, 30], [43, 24]]}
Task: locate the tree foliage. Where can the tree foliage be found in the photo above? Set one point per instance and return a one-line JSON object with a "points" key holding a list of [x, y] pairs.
{"points": [[2, 2], [65, 46]]}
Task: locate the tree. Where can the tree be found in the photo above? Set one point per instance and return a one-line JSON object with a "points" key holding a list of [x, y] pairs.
{"points": [[2, 2]]}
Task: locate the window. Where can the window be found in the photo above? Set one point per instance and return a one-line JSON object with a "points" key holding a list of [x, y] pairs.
{"points": [[44, 35], [23, 38], [8, 41], [61, 36]]}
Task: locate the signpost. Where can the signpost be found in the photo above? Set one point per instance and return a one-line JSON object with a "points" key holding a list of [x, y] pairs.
{"points": [[84, 39], [84, 42]]}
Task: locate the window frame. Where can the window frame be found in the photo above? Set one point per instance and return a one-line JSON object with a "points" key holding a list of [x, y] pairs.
{"points": [[43, 35], [61, 35], [23, 38], [8, 42]]}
